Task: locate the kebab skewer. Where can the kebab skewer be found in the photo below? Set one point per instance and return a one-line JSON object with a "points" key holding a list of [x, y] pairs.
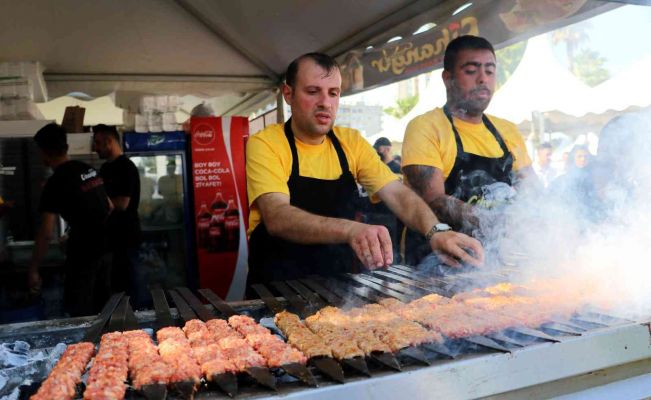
{"points": [[215, 365], [349, 341], [240, 352], [314, 347], [176, 351], [276, 352], [231, 343], [62, 381], [149, 373], [109, 371]]}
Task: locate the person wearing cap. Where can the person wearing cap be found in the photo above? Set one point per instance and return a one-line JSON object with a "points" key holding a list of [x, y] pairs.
{"points": [[122, 182], [383, 148], [456, 157], [302, 181], [75, 192]]}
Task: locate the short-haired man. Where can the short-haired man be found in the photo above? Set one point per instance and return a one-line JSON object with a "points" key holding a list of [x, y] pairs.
{"points": [[75, 192], [543, 165], [122, 183], [383, 148], [456, 157], [301, 180]]}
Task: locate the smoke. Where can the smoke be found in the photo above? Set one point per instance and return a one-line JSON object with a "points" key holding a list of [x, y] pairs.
{"points": [[590, 232]]}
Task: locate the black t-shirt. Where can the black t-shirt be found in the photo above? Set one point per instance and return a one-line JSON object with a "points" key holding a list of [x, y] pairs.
{"points": [[394, 166], [121, 178], [76, 192]]}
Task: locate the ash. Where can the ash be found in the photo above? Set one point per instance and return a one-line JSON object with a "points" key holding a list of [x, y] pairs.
{"points": [[20, 365]]}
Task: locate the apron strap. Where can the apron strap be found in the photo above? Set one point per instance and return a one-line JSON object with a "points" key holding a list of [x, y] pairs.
{"points": [[487, 122], [289, 134]]}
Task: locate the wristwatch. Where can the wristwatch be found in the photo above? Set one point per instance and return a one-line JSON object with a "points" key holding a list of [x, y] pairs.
{"points": [[440, 227]]}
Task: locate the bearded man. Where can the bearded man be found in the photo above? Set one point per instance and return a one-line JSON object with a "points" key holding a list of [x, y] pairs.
{"points": [[456, 157]]}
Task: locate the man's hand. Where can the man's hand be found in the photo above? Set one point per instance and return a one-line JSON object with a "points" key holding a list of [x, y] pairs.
{"points": [[34, 281], [453, 247], [372, 245]]}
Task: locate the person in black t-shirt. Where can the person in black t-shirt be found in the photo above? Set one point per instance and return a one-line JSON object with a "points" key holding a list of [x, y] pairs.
{"points": [[76, 192], [383, 148], [122, 183]]}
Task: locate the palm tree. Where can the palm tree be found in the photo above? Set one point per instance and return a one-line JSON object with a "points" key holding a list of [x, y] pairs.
{"points": [[572, 36]]}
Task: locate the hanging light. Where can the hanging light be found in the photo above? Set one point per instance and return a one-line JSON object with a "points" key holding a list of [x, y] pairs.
{"points": [[463, 7]]}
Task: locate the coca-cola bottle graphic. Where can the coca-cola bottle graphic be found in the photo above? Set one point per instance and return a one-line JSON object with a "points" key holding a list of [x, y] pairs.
{"points": [[232, 226], [216, 229], [203, 226]]}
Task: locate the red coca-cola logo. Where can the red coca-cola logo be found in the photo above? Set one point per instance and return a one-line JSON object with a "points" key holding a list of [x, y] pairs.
{"points": [[203, 134]]}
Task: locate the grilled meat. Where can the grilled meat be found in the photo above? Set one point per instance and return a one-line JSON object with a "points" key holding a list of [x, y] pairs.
{"points": [[206, 351], [300, 336], [146, 366], [66, 374], [107, 376], [234, 347], [176, 351], [271, 347]]}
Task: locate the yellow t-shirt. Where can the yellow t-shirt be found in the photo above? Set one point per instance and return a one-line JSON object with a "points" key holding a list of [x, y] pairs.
{"points": [[269, 163], [429, 140]]}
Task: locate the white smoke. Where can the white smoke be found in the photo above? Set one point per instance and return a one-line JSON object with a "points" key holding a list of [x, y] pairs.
{"points": [[591, 232]]}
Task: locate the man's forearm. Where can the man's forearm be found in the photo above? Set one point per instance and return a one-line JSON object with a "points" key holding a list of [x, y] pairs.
{"points": [[120, 202], [41, 244], [408, 207], [299, 226], [428, 183], [455, 212]]}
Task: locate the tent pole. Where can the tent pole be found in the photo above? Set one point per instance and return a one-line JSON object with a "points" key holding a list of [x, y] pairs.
{"points": [[280, 108]]}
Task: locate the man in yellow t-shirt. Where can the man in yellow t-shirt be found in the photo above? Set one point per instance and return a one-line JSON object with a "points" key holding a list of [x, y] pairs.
{"points": [[302, 185], [456, 157]]}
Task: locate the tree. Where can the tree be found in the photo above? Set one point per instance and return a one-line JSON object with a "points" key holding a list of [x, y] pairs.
{"points": [[586, 64], [402, 107], [508, 60], [589, 67], [572, 37]]}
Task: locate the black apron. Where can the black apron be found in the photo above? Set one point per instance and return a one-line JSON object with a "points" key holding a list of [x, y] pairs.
{"points": [[471, 174], [469, 181], [272, 258]]}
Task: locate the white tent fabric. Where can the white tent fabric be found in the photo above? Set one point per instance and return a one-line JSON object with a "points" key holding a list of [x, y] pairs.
{"points": [[101, 110], [540, 83], [631, 87], [392, 129], [207, 48], [431, 96]]}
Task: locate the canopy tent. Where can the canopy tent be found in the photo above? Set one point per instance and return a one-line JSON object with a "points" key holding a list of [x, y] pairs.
{"points": [[540, 83], [432, 95], [623, 93], [233, 49], [204, 48], [627, 89], [100, 110]]}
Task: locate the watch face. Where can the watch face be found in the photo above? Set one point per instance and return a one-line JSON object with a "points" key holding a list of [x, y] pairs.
{"points": [[443, 227]]}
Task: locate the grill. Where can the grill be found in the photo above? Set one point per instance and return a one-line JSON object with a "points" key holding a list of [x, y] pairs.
{"points": [[470, 366]]}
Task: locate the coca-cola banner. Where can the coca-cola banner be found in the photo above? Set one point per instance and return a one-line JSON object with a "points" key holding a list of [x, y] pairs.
{"points": [[220, 204], [502, 22]]}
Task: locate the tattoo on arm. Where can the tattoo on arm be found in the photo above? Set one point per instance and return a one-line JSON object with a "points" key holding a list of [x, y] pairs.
{"points": [[447, 209], [419, 178]]}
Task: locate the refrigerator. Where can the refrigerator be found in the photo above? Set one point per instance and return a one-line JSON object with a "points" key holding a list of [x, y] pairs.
{"points": [[165, 257]]}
